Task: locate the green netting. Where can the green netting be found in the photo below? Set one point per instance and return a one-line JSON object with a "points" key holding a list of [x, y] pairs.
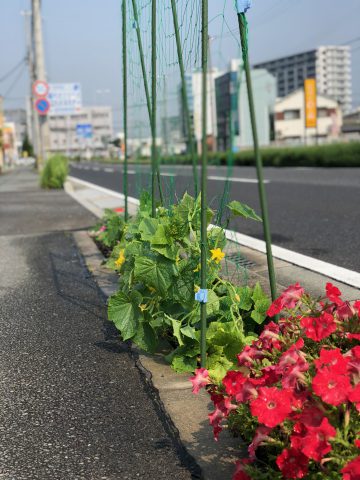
{"points": [[173, 136]]}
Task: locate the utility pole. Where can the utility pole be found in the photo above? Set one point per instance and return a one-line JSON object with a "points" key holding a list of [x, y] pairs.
{"points": [[40, 74], [32, 119]]}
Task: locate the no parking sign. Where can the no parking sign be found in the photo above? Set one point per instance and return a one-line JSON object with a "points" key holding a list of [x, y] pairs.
{"points": [[42, 106]]}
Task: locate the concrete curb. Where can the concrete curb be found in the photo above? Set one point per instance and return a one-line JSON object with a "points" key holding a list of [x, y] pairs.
{"points": [[187, 412]]}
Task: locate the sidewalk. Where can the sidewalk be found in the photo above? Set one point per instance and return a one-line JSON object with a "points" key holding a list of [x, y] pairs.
{"points": [[74, 405]]}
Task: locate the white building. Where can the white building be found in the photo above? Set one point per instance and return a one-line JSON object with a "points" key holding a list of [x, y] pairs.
{"points": [[330, 65], [194, 90], [290, 120], [66, 137]]}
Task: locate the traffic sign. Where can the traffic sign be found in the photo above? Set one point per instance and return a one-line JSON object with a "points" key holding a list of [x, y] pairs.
{"points": [[40, 88], [84, 130], [65, 98], [42, 106]]}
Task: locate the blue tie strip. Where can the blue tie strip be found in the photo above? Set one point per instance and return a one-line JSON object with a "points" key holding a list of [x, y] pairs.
{"points": [[201, 296], [243, 5]]}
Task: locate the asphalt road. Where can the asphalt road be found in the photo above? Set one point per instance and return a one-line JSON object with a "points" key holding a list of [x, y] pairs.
{"points": [[314, 211], [74, 405]]}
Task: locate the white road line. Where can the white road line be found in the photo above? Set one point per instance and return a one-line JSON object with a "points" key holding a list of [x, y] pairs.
{"points": [[109, 170], [102, 189], [240, 180], [95, 169], [168, 174], [341, 274], [86, 168]]}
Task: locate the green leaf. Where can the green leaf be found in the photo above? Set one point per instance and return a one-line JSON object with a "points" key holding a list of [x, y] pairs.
{"points": [[160, 236], [184, 364], [242, 210], [168, 251], [145, 338], [246, 301], [147, 228], [218, 365], [153, 273], [213, 303], [189, 332], [176, 325], [261, 304], [124, 311]]}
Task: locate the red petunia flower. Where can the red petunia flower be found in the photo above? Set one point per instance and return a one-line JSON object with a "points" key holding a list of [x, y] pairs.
{"points": [[248, 355], [288, 299], [318, 328], [345, 311], [240, 473], [261, 434], [332, 359], [357, 306], [351, 471], [292, 463], [332, 388], [272, 406], [200, 380], [354, 396], [233, 382], [353, 336], [313, 441], [333, 294], [354, 364], [311, 416]]}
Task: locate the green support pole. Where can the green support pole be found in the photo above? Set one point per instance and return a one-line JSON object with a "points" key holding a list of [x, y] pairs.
{"points": [[204, 64], [153, 108], [124, 45], [146, 84], [259, 167], [142, 60], [188, 122]]}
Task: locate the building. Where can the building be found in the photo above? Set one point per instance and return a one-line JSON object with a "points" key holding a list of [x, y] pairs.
{"points": [[290, 120], [351, 125], [18, 117], [194, 92], [87, 132], [173, 138], [330, 65], [232, 101]]}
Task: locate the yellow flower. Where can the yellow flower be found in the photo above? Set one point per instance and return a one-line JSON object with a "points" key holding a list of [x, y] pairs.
{"points": [[143, 306], [217, 255], [119, 262], [196, 288], [198, 268], [151, 289], [237, 298], [177, 260]]}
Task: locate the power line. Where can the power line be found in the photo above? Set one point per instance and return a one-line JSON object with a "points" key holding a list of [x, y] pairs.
{"points": [[17, 78], [13, 70]]}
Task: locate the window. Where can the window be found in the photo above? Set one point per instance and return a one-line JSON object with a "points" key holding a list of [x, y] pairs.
{"points": [[291, 114]]}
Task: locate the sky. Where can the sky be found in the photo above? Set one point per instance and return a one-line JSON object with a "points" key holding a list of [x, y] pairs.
{"points": [[83, 40]]}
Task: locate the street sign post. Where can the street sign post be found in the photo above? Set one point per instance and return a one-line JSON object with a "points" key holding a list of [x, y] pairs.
{"points": [[42, 106], [65, 98], [40, 89]]}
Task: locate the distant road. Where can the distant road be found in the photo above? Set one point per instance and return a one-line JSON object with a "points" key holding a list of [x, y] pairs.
{"points": [[313, 211]]}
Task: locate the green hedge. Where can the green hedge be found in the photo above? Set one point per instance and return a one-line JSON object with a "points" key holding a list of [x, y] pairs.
{"points": [[55, 172], [335, 155]]}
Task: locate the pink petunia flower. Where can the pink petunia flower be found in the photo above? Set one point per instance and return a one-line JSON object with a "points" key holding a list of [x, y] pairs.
{"points": [[288, 299], [351, 471], [200, 380]]}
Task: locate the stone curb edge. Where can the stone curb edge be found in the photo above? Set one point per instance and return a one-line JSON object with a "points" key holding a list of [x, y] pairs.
{"points": [[186, 414]]}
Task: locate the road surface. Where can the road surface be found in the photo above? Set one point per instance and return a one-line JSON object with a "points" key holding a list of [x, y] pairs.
{"points": [[313, 211]]}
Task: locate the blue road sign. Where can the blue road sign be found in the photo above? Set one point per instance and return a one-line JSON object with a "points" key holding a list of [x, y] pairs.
{"points": [[42, 106], [84, 130]]}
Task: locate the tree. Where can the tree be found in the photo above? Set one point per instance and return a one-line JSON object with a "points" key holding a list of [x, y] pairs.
{"points": [[27, 146]]}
